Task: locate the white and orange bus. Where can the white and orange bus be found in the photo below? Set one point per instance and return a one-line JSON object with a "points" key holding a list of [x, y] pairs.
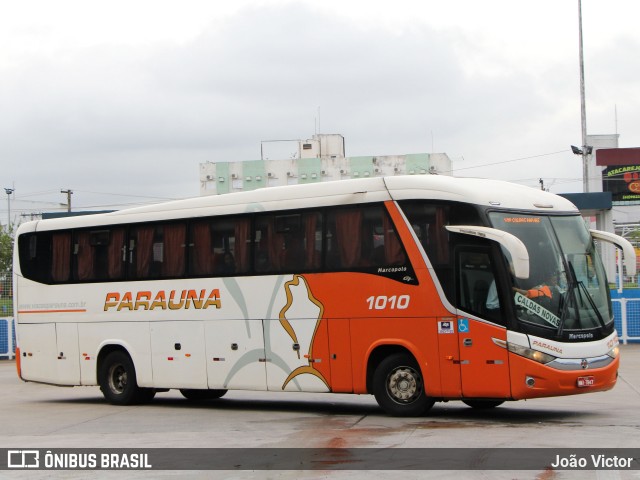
{"points": [[415, 289]]}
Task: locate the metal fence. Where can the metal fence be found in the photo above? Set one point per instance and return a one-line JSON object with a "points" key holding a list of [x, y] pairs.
{"points": [[7, 338], [626, 312], [6, 295]]}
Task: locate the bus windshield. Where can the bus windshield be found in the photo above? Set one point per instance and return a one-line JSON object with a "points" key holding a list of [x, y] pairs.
{"points": [[566, 292]]}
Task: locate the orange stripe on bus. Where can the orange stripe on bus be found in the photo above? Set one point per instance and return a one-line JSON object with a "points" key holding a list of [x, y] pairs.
{"points": [[81, 310]]}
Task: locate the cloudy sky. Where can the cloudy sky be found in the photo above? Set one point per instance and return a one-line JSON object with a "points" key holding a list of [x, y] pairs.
{"points": [[120, 101]]}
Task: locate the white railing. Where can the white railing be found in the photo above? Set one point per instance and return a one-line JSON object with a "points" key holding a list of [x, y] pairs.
{"points": [[7, 339], [627, 317]]}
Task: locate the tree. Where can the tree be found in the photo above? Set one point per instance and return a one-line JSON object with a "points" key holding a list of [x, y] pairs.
{"points": [[6, 261], [6, 250]]}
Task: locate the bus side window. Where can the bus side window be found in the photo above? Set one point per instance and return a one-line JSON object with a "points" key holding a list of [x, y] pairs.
{"points": [[312, 240], [388, 244], [428, 220], [288, 242], [241, 244], [219, 246], [201, 257], [159, 251], [99, 254], [141, 246], [345, 239], [61, 256], [173, 240], [477, 289], [35, 251], [116, 254], [268, 245], [362, 237], [300, 248]]}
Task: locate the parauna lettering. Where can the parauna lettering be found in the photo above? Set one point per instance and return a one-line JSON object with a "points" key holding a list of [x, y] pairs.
{"points": [[175, 300]]}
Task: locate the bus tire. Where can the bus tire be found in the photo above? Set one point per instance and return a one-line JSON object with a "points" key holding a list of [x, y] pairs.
{"points": [[197, 395], [398, 386], [118, 381], [483, 404]]}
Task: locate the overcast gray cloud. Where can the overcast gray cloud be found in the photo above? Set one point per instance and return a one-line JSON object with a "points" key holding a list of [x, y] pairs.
{"points": [[137, 119]]}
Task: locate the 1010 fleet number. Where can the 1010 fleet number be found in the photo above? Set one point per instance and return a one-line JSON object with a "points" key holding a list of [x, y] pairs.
{"points": [[382, 302]]}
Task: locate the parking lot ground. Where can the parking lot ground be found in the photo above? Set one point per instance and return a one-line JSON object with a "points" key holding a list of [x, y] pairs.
{"points": [[36, 416]]}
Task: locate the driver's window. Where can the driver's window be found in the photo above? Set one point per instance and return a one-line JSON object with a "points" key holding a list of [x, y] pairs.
{"points": [[477, 289]]}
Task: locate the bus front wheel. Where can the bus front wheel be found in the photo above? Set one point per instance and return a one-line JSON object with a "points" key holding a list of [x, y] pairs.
{"points": [[118, 381], [399, 387]]}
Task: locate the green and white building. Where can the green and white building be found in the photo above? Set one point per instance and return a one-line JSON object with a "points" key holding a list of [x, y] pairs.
{"points": [[318, 159]]}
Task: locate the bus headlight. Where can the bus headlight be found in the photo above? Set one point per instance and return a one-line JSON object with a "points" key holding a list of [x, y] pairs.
{"points": [[531, 354], [614, 352]]}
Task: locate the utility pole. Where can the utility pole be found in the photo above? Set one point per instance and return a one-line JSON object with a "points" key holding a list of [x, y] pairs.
{"points": [[8, 191], [583, 110], [69, 193]]}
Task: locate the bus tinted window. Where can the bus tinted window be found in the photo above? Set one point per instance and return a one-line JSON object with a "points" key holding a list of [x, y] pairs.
{"points": [[35, 256], [61, 256], [288, 242], [219, 246], [361, 237], [158, 251], [428, 220], [99, 254]]}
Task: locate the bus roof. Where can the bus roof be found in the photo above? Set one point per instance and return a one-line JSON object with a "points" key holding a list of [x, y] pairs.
{"points": [[343, 192]]}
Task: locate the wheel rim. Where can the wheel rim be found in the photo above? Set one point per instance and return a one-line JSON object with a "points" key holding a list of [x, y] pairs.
{"points": [[117, 379], [404, 385]]}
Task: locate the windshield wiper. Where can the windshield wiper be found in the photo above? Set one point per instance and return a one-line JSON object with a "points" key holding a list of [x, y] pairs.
{"points": [[572, 285], [591, 302]]}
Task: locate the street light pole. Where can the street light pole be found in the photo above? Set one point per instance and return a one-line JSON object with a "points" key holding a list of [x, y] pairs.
{"points": [[583, 110], [8, 191]]}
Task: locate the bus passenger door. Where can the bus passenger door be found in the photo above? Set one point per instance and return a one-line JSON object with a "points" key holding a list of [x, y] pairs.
{"points": [[484, 363]]}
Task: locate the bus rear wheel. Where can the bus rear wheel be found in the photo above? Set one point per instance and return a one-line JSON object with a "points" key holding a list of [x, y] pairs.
{"points": [[199, 395], [118, 382], [399, 387]]}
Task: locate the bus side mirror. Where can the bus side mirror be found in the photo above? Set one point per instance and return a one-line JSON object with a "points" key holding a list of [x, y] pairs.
{"points": [[513, 245], [629, 253]]}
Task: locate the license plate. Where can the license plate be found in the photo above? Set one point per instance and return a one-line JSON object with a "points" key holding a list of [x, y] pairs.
{"points": [[586, 382]]}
